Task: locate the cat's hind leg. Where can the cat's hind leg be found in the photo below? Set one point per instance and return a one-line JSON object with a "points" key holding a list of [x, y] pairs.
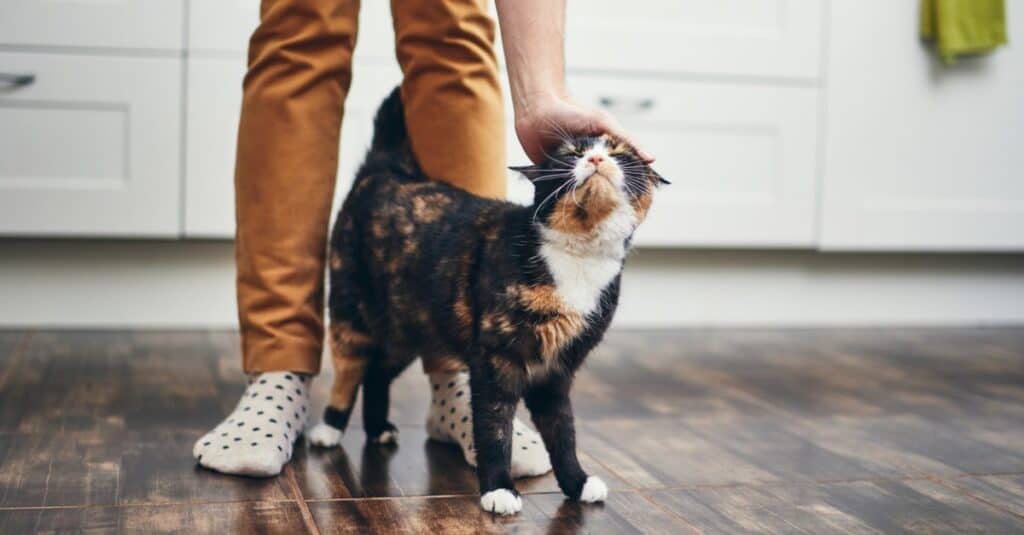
{"points": [[377, 401], [351, 351]]}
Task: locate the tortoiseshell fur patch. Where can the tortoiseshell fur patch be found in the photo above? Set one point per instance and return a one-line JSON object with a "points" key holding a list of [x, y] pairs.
{"points": [[421, 268]]}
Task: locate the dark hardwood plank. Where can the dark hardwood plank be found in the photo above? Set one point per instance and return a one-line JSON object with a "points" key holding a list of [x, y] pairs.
{"points": [[109, 381], [1004, 492], [850, 372], [87, 468], [9, 340], [542, 513], [917, 506], [416, 467], [250, 517], [623, 512], [417, 515], [858, 430], [684, 452]]}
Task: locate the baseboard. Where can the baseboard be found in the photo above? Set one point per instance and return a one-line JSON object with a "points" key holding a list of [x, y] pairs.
{"points": [[168, 284]]}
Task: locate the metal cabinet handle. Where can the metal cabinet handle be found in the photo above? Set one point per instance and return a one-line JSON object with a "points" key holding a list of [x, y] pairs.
{"points": [[631, 105], [17, 79]]}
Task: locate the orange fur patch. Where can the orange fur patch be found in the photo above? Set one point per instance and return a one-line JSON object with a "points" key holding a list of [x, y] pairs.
{"points": [[335, 260], [555, 333], [430, 207], [599, 197], [641, 204], [349, 362]]}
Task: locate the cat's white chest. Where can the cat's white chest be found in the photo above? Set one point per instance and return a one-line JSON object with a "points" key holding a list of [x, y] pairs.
{"points": [[580, 281], [582, 270]]}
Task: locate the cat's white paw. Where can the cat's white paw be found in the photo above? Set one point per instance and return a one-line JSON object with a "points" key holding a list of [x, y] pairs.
{"points": [[502, 502], [594, 490], [387, 437], [324, 436]]}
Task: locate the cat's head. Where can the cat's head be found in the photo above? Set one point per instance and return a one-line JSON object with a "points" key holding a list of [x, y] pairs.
{"points": [[591, 182]]}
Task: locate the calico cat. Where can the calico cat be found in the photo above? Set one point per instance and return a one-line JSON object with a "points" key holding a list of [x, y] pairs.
{"points": [[518, 294]]}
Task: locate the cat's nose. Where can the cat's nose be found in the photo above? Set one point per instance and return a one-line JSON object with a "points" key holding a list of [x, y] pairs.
{"points": [[595, 159]]}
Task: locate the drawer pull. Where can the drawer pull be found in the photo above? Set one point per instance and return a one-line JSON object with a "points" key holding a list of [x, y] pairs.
{"points": [[17, 79], [626, 105]]}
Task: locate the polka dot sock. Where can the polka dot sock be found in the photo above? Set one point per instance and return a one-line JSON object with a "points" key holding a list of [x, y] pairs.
{"points": [[451, 420], [256, 439]]}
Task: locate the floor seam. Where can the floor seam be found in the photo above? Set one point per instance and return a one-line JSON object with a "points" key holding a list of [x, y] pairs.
{"points": [[307, 515], [129, 505], [970, 495], [670, 512]]}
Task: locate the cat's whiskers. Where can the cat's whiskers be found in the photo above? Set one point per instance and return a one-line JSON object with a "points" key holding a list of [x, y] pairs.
{"points": [[555, 159], [550, 195]]}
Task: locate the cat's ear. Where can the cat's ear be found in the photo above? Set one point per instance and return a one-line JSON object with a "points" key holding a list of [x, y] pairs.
{"points": [[531, 172], [661, 180]]}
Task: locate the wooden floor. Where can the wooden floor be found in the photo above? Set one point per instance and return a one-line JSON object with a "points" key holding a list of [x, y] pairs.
{"points": [[837, 431]]}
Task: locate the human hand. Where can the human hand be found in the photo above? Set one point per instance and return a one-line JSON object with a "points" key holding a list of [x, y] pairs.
{"points": [[543, 122]]}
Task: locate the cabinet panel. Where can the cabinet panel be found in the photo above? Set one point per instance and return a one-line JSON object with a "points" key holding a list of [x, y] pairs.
{"points": [[214, 103], [741, 158], [224, 26], [92, 147], [149, 24], [919, 156], [776, 38]]}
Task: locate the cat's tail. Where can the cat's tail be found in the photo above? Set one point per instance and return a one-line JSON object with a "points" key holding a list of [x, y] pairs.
{"points": [[389, 133]]}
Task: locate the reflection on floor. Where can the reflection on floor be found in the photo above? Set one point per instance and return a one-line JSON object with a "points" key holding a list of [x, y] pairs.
{"points": [[714, 431]]}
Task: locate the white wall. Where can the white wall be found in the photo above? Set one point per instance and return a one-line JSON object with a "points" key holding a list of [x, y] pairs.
{"points": [[190, 284]]}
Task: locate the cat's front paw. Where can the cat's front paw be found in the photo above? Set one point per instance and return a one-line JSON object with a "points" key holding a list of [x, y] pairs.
{"points": [[594, 490], [502, 502], [324, 436], [387, 435]]}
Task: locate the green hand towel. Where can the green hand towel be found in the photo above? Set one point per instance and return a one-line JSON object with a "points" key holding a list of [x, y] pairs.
{"points": [[963, 26]]}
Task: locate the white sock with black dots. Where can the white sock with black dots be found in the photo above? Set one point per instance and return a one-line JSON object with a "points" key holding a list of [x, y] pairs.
{"points": [[256, 439], [451, 420]]}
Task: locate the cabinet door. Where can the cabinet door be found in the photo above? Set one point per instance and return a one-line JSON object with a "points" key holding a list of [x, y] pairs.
{"points": [[219, 26], [214, 102], [919, 156], [91, 147], [741, 158], [135, 24], [763, 38]]}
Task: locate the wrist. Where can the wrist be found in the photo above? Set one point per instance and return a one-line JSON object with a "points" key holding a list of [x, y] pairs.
{"points": [[528, 102]]}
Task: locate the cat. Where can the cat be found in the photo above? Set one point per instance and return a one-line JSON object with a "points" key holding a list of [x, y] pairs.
{"points": [[519, 294]]}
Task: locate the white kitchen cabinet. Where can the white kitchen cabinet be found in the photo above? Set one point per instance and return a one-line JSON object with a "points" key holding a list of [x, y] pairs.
{"points": [[213, 100], [741, 158], [224, 26], [919, 156], [214, 103], [746, 38], [91, 147], [123, 24]]}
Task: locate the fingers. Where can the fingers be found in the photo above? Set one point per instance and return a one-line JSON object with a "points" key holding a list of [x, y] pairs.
{"points": [[611, 126]]}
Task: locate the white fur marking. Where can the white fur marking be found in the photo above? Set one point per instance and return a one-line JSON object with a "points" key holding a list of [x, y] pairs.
{"points": [[324, 436], [502, 502], [594, 490], [388, 437]]}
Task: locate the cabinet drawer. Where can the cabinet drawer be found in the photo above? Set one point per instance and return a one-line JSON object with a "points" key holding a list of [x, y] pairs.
{"points": [[91, 147], [741, 158], [776, 38], [147, 24]]}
